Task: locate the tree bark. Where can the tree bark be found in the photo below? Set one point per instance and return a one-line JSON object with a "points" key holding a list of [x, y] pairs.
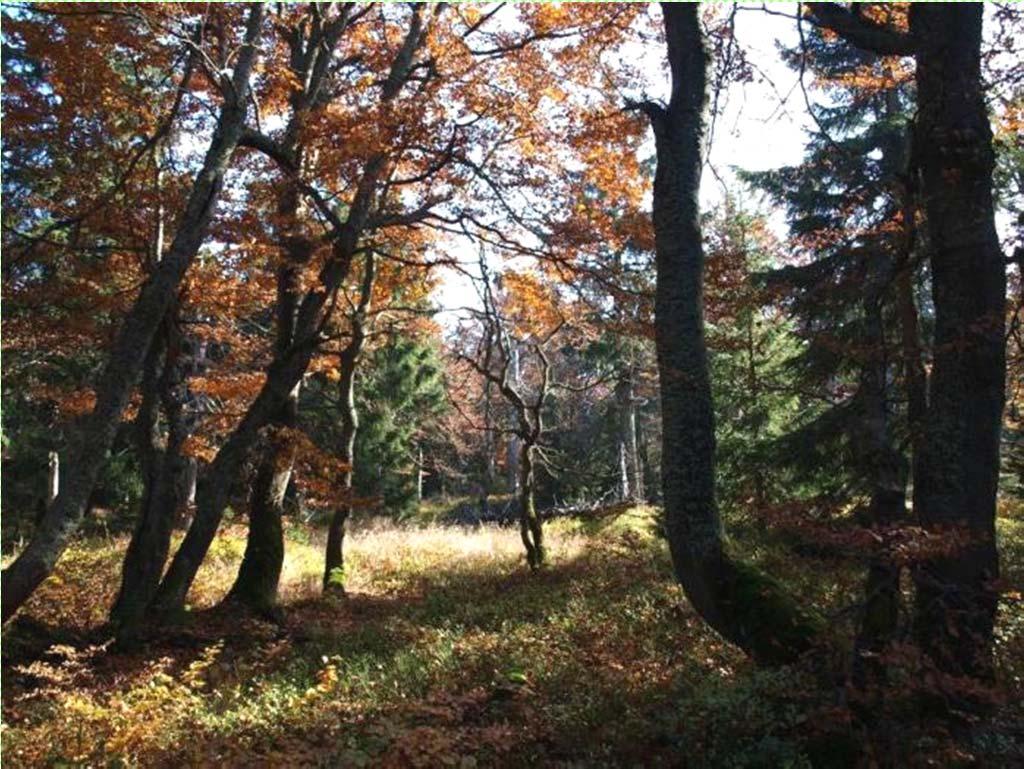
{"points": [[742, 605], [886, 470], [89, 446], [631, 482], [163, 467], [956, 596], [259, 575], [531, 528], [334, 557]]}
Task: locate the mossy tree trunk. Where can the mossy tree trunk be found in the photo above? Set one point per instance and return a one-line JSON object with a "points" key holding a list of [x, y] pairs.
{"points": [[744, 606]]}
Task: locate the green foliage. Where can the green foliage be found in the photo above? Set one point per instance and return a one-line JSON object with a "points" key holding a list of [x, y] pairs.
{"points": [[336, 577], [398, 396], [844, 211], [756, 400]]}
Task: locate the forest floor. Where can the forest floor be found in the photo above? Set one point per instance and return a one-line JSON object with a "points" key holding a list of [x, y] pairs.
{"points": [[448, 652]]}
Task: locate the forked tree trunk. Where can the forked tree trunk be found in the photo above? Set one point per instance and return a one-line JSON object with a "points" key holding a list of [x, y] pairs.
{"points": [[741, 604], [956, 595], [90, 445], [162, 469], [214, 489]]}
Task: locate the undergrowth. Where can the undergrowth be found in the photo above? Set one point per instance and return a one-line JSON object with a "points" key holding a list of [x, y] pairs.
{"points": [[446, 652]]}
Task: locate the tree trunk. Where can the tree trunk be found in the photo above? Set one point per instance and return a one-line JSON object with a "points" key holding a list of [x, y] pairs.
{"points": [[258, 576], [213, 492], [959, 469], [513, 448], [531, 528], [162, 469], [260, 572], [334, 560], [487, 482], [89, 446], [886, 470], [742, 605], [419, 475], [631, 471], [625, 494]]}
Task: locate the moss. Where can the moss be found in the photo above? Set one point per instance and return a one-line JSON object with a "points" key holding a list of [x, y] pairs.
{"points": [[776, 627]]}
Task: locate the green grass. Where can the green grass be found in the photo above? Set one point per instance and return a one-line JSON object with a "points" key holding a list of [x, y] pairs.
{"points": [[447, 652]]}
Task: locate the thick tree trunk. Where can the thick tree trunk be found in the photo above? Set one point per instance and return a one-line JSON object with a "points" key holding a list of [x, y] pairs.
{"points": [[959, 468], [162, 467], [89, 446], [260, 572], [742, 605], [531, 528]]}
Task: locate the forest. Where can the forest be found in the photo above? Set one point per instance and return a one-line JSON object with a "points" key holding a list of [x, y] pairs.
{"points": [[512, 384]]}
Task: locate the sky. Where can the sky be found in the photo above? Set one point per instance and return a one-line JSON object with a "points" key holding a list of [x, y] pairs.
{"points": [[760, 125]]}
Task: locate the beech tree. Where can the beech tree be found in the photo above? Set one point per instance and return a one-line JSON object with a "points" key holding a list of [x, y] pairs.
{"points": [[737, 601], [499, 350], [94, 437]]}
